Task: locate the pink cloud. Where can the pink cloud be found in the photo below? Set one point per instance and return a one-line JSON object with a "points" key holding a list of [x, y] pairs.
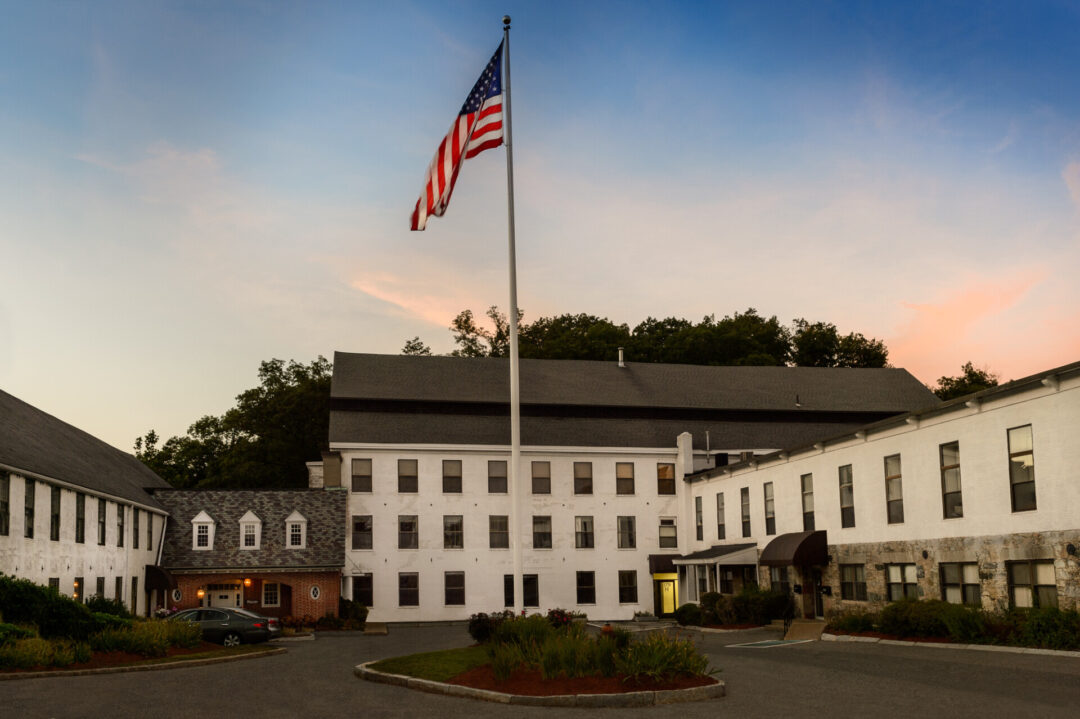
{"points": [[414, 296]]}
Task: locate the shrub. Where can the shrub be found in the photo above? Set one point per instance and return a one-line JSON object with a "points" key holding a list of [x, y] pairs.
{"points": [[660, 657], [688, 614], [570, 654], [150, 638], [23, 602], [1050, 628], [525, 632], [100, 604], [709, 600], [110, 621], [12, 632], [966, 624], [354, 613], [913, 618], [329, 621], [559, 618], [505, 658], [854, 621], [35, 652], [754, 605], [482, 626]]}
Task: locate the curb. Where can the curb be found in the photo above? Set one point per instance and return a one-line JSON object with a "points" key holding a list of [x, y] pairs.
{"points": [[628, 699], [294, 638], [948, 645], [141, 667]]}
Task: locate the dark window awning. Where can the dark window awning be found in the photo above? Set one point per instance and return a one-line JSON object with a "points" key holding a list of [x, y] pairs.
{"points": [[158, 577], [661, 563], [732, 554], [796, 548]]}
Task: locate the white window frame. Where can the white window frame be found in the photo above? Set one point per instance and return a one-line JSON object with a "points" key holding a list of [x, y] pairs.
{"points": [[202, 519], [296, 519], [277, 594], [252, 521]]}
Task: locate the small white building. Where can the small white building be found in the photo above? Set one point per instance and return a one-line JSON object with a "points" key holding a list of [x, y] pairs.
{"points": [[75, 512], [422, 444], [974, 500]]}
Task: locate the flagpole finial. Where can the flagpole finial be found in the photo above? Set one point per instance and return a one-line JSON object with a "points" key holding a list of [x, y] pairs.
{"points": [[506, 20]]}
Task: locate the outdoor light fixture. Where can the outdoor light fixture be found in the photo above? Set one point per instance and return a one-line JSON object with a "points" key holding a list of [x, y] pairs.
{"points": [[200, 594], [247, 581]]}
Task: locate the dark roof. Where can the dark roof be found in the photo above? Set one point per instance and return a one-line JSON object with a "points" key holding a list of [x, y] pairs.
{"points": [[35, 442], [654, 385], [718, 550], [796, 548], [400, 399], [323, 509]]}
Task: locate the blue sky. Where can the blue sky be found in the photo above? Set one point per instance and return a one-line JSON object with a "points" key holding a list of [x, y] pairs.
{"points": [[187, 189]]}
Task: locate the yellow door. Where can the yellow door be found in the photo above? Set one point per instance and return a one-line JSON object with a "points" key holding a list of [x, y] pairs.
{"points": [[667, 597]]}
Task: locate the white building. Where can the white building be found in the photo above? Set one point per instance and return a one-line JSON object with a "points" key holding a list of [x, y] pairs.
{"points": [[975, 500], [75, 512], [422, 443]]}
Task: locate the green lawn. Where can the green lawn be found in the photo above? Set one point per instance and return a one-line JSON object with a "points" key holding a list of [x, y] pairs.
{"points": [[437, 666]]}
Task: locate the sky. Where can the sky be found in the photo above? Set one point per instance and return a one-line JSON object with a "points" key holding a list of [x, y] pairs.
{"points": [[190, 188]]}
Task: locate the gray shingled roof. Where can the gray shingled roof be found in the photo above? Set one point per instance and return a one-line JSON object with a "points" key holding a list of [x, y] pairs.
{"points": [[36, 442], [605, 384], [323, 509], [400, 399]]}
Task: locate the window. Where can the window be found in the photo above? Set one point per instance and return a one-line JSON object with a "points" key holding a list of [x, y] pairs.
{"points": [[770, 509], [702, 580], [497, 476], [202, 532], [101, 522], [28, 507], [665, 478], [1021, 469], [721, 528], [498, 531], [54, 513], [361, 475], [453, 531], [121, 510], [582, 477], [134, 595], [960, 583], [508, 590], [847, 497], [454, 587], [583, 532], [363, 589], [627, 527], [779, 579], [1032, 584], [624, 478], [744, 500], [541, 532], [149, 531], [119, 595], [727, 581], [541, 478], [407, 481], [807, 481], [271, 594], [900, 582], [362, 526], [669, 537], [530, 590], [54, 584], [951, 498], [5, 504], [250, 531], [699, 519], [853, 582], [451, 476], [101, 587], [586, 587], [894, 490], [296, 531], [408, 589], [627, 586], [135, 528], [408, 532], [77, 590]]}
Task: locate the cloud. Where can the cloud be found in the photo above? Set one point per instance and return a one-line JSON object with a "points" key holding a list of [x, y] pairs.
{"points": [[419, 295], [1071, 175]]}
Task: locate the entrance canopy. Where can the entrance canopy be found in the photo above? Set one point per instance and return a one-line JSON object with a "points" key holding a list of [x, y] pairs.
{"points": [[732, 554], [158, 577], [796, 548]]}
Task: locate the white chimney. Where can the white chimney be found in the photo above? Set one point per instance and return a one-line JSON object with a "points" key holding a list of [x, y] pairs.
{"points": [[621, 363]]}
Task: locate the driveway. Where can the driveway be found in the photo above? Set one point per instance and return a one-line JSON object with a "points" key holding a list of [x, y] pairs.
{"points": [[314, 679]]}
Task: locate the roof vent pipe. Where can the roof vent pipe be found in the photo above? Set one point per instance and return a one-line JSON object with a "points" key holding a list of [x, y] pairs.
{"points": [[621, 362]]}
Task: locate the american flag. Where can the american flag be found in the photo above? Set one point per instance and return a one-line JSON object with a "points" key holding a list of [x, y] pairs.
{"points": [[477, 127]]}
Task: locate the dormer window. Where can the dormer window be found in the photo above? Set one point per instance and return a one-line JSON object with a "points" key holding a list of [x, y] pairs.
{"points": [[295, 531], [202, 532], [250, 531]]}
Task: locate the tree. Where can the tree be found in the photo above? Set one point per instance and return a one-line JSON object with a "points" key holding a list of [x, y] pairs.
{"points": [[819, 344], [262, 442], [416, 347], [968, 381]]}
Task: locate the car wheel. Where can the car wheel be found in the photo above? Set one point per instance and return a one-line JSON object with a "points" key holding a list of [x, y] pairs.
{"points": [[232, 639]]}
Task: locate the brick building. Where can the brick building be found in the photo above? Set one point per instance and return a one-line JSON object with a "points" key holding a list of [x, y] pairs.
{"points": [[274, 552]]}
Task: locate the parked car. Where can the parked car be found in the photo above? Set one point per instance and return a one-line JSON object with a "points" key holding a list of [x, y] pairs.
{"points": [[272, 623], [230, 627]]}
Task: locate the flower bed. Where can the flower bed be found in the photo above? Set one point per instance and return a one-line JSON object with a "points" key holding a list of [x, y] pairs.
{"points": [[530, 682]]}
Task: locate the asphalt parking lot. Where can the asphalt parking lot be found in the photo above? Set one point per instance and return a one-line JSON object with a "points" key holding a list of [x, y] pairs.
{"points": [[315, 679]]}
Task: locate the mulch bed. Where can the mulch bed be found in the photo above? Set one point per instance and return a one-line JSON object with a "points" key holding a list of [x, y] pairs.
{"points": [[529, 682], [879, 635], [99, 660]]}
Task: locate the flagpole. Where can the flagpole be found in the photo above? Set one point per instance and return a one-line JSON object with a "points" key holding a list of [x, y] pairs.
{"points": [[515, 392]]}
